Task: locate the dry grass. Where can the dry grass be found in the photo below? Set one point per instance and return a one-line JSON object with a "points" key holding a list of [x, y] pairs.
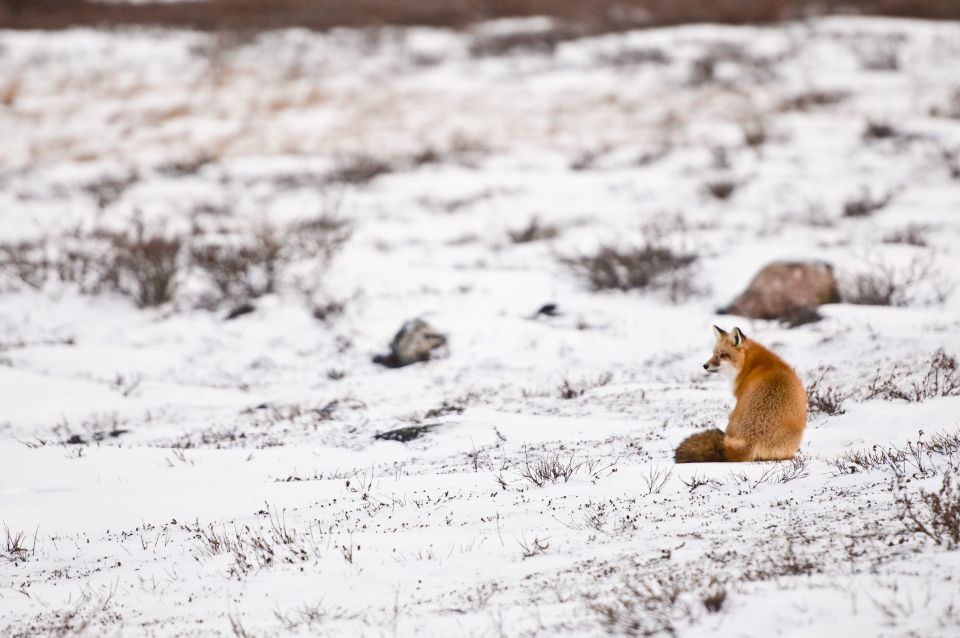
{"points": [[866, 203], [934, 515], [148, 266], [884, 284], [823, 398], [649, 266], [940, 379], [535, 230]]}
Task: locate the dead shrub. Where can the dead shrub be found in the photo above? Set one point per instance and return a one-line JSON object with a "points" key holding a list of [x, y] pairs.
{"points": [[548, 468], [142, 266], [359, 169], [951, 161], [815, 98], [533, 231], [229, 268], [916, 459], [714, 598], [823, 398], [108, 189], [783, 560], [644, 606], [573, 389], [533, 548], [252, 264], [866, 204], [911, 235], [652, 266], [941, 379], [147, 266], [754, 134], [704, 69], [92, 613], [952, 107], [328, 310], [721, 189], [877, 130], [883, 284], [935, 515], [16, 546], [551, 467], [26, 262]]}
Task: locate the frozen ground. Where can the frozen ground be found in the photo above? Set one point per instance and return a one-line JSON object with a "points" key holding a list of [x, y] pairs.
{"points": [[174, 474]]}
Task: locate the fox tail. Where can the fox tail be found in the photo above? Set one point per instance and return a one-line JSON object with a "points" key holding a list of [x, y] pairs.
{"points": [[702, 447]]}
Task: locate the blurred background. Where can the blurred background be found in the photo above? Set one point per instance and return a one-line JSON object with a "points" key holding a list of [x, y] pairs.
{"points": [[325, 14]]}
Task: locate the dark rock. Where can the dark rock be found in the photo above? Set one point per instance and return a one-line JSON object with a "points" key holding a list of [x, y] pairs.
{"points": [[239, 311], [547, 310], [406, 434], [782, 289]]}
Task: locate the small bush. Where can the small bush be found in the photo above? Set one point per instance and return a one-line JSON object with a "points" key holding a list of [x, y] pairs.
{"points": [[144, 267], [107, 190], [644, 606], [533, 231], [358, 170], [754, 135], [911, 235], [884, 284], [941, 379], [713, 599], [551, 467], [809, 100], [703, 70], [876, 130], [548, 468], [866, 204], [573, 390], [721, 189], [148, 267], [823, 398], [649, 266], [951, 109], [935, 515]]}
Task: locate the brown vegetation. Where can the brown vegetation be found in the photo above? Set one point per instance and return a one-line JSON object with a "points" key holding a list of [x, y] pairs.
{"points": [[254, 15]]}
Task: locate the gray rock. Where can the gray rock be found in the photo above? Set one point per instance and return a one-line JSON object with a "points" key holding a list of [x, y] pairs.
{"points": [[416, 341]]}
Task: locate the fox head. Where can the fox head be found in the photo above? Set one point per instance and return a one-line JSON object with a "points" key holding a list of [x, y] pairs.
{"points": [[727, 351]]}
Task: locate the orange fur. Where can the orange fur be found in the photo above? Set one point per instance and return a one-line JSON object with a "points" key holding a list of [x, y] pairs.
{"points": [[768, 420]]}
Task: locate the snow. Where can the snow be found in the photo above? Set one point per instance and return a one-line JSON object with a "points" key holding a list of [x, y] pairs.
{"points": [[225, 429]]}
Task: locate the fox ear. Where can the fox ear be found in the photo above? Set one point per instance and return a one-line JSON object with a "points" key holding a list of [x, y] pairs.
{"points": [[718, 333], [738, 337]]}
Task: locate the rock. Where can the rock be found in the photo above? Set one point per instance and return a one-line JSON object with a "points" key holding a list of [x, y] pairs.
{"points": [[782, 289], [415, 342], [547, 310], [238, 311]]}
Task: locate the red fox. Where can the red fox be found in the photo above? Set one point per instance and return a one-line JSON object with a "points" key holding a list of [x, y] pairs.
{"points": [[771, 411]]}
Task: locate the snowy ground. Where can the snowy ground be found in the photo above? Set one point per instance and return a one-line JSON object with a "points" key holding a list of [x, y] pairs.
{"points": [[173, 473]]}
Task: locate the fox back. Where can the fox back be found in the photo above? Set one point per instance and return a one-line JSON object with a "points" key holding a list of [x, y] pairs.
{"points": [[768, 420]]}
